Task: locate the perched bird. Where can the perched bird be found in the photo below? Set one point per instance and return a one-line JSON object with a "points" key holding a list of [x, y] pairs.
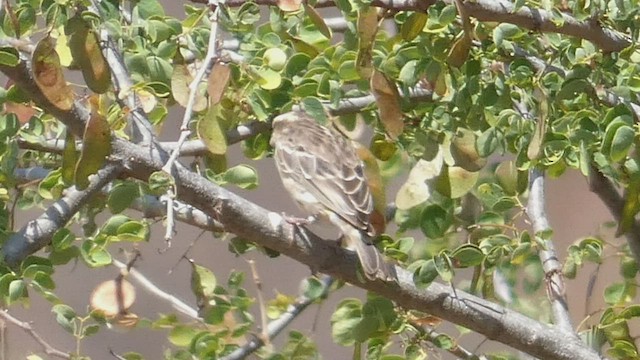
{"points": [[320, 169]]}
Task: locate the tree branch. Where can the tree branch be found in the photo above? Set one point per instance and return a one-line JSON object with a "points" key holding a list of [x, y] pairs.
{"points": [[541, 20], [503, 11], [148, 285], [609, 195], [556, 290], [37, 233], [276, 326], [268, 229], [48, 349]]}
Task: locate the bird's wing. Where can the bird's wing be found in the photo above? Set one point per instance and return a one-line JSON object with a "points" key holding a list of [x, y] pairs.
{"points": [[326, 165]]}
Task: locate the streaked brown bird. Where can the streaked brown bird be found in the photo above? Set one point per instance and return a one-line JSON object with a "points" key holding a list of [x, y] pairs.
{"points": [[320, 169]]}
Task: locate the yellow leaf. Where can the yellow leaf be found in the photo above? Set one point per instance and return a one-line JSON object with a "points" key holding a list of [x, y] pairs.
{"points": [[415, 190], [68, 158], [48, 75], [376, 185], [217, 82], [388, 100], [211, 133], [535, 146], [86, 52], [317, 20], [413, 26], [367, 29], [180, 81], [459, 51], [96, 146]]}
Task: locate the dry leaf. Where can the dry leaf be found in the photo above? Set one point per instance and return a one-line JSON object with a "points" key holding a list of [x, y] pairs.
{"points": [[318, 21], [376, 185], [367, 29], [388, 100], [459, 52], [47, 73], [86, 52], [289, 5], [96, 145], [217, 82], [113, 297], [181, 80]]}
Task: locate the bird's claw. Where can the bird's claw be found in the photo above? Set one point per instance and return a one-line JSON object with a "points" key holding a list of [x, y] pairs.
{"points": [[298, 221]]}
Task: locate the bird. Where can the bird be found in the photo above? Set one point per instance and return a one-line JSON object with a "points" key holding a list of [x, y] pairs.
{"points": [[322, 172]]}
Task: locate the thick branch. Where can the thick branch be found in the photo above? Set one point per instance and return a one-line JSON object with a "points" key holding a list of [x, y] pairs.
{"points": [[37, 233], [503, 11], [541, 20], [552, 268], [268, 229]]}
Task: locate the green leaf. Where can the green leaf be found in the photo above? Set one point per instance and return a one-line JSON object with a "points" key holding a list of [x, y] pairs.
{"points": [[487, 142], [65, 316], [149, 8], [275, 58], [243, 176], [313, 288], [268, 79], [121, 196], [618, 293], [455, 182], [203, 282], [413, 26], [181, 335], [211, 133], [345, 318], [467, 255], [425, 274], [100, 257], [9, 56], [63, 238], [621, 143], [313, 106], [160, 182], [134, 231], [111, 226], [443, 265], [435, 221], [616, 145], [17, 290]]}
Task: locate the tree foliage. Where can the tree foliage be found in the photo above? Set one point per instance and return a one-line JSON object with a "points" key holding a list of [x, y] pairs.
{"points": [[479, 100]]}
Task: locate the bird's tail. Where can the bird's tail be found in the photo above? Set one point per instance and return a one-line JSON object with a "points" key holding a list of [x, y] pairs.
{"points": [[372, 262]]}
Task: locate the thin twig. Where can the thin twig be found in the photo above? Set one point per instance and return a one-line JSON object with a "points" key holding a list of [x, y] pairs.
{"points": [[48, 349], [609, 195], [276, 326], [264, 336], [148, 285], [185, 131], [460, 352]]}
